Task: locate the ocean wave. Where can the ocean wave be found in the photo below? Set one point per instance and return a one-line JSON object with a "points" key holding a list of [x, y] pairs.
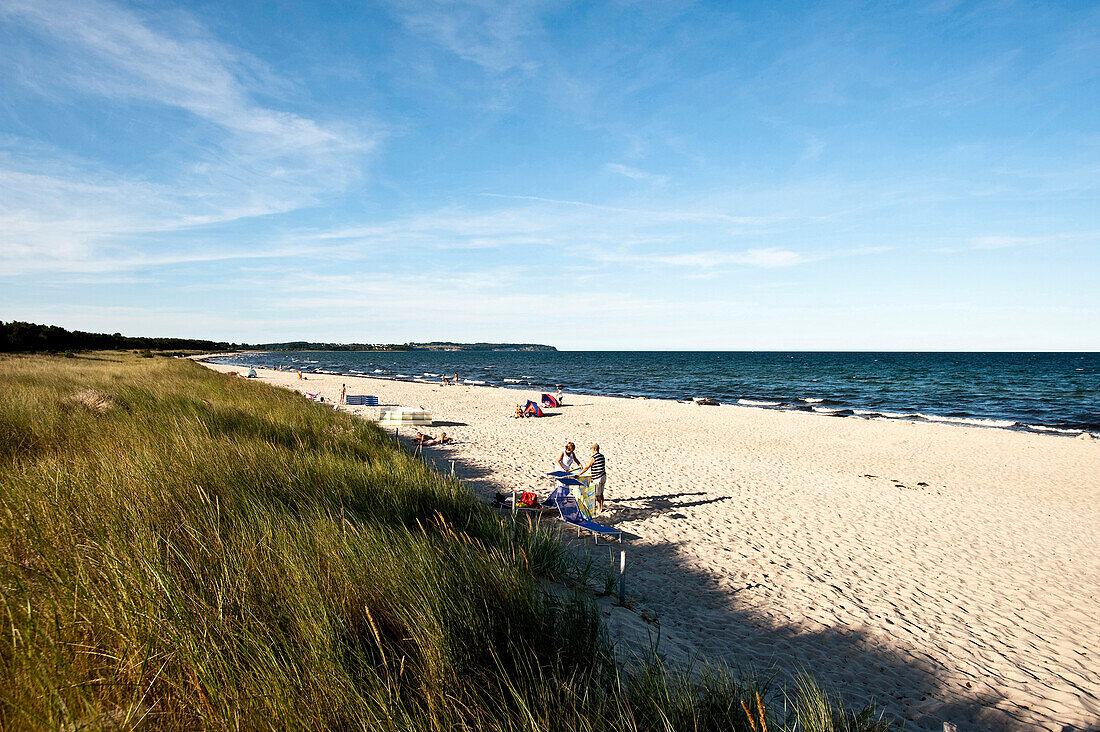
{"points": [[1059, 430], [428, 373], [755, 403], [827, 410], [811, 400], [514, 381], [472, 381], [378, 371], [884, 415], [969, 420]]}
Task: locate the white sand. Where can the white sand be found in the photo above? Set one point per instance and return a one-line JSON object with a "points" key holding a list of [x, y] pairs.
{"points": [[949, 573]]}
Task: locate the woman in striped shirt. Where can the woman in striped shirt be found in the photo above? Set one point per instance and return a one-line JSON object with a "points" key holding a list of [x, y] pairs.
{"points": [[599, 474]]}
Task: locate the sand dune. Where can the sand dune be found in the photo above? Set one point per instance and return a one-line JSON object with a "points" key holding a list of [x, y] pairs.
{"points": [[949, 573]]}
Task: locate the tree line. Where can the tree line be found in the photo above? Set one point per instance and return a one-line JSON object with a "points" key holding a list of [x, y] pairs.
{"points": [[20, 337]]}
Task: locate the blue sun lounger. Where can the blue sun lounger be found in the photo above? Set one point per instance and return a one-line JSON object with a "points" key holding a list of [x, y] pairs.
{"points": [[571, 514]]}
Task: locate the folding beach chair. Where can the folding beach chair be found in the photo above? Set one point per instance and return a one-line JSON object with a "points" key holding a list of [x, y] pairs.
{"points": [[565, 484], [571, 514]]}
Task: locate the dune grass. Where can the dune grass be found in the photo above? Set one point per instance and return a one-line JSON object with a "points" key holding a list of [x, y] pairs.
{"points": [[184, 550]]}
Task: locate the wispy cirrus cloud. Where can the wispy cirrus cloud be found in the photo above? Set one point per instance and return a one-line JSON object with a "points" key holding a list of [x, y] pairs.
{"points": [[231, 157], [637, 174], [994, 242], [489, 33]]}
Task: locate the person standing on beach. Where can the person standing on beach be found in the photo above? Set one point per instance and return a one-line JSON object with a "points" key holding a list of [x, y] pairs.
{"points": [[599, 474], [343, 393], [568, 461], [558, 395]]}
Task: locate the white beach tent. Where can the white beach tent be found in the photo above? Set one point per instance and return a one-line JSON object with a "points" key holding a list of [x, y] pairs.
{"points": [[402, 416]]}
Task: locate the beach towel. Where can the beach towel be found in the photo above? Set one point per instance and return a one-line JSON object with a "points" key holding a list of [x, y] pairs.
{"points": [[585, 494], [550, 401], [361, 400]]}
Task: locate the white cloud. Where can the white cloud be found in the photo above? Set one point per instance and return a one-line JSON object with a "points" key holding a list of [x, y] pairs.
{"points": [[254, 159], [489, 33], [713, 259], [993, 242], [636, 174]]}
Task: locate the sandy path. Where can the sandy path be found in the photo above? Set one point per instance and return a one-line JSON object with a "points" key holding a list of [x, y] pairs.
{"points": [[949, 573]]}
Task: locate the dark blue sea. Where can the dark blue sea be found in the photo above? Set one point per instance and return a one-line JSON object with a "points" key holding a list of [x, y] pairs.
{"points": [[1048, 392]]}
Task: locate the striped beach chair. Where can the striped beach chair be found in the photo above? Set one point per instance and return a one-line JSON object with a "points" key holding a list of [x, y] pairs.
{"points": [[361, 400]]}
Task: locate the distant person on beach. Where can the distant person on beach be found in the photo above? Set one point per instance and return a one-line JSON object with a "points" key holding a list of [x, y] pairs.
{"points": [[423, 439], [443, 439], [599, 474], [445, 381], [343, 393], [558, 394], [456, 378], [519, 412], [299, 374], [568, 461]]}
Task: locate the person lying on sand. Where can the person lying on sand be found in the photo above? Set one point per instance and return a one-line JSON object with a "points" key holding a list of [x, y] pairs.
{"points": [[443, 439], [423, 439]]}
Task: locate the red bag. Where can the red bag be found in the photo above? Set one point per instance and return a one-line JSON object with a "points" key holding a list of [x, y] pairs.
{"points": [[529, 499]]}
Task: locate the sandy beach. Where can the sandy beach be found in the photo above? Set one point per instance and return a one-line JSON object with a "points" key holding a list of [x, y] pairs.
{"points": [[948, 573]]}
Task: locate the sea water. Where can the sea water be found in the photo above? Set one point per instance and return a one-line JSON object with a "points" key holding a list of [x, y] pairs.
{"points": [[1046, 392]]}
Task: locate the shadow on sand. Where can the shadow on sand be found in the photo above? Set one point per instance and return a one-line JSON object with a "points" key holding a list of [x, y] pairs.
{"points": [[674, 596]]}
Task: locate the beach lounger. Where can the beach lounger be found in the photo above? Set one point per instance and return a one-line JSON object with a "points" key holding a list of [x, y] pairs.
{"points": [[571, 514], [361, 400]]}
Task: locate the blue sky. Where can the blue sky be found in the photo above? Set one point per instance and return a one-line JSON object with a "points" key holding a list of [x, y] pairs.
{"points": [[591, 175]]}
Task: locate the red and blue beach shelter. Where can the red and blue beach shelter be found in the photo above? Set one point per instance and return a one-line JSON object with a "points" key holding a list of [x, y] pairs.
{"points": [[532, 409], [550, 401]]}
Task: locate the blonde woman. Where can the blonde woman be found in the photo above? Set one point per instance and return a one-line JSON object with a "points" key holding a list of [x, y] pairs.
{"points": [[568, 461]]}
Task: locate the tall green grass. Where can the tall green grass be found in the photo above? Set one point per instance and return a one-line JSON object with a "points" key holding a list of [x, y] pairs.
{"points": [[185, 550]]}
